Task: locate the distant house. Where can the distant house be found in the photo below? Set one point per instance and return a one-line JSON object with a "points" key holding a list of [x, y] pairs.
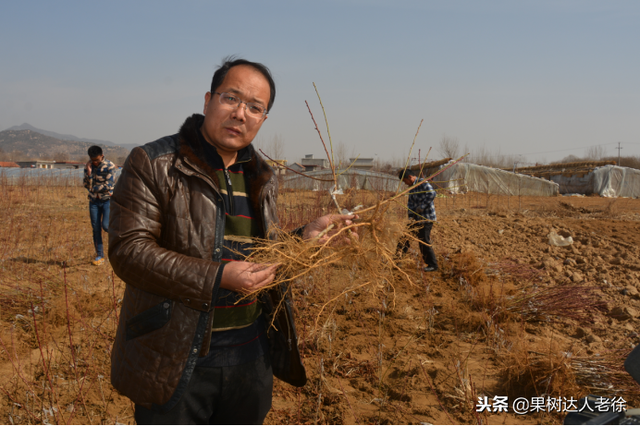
{"points": [[68, 165], [8, 164], [37, 164], [311, 164], [297, 167], [361, 163], [278, 166]]}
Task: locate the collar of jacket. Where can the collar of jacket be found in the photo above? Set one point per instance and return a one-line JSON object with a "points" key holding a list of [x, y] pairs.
{"points": [[256, 171]]}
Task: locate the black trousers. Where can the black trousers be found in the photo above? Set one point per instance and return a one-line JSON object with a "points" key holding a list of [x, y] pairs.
{"points": [[422, 230], [240, 394]]}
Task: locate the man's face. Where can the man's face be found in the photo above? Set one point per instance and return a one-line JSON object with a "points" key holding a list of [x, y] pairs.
{"points": [[95, 161], [231, 129], [409, 180]]}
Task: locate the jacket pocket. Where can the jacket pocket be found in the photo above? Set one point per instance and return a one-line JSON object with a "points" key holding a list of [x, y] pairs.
{"points": [[151, 319]]}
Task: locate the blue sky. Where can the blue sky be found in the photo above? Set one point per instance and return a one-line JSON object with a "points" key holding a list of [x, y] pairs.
{"points": [[543, 79]]}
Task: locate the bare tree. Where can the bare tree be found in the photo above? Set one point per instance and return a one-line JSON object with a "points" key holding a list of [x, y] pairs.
{"points": [[275, 147], [481, 155], [570, 159], [16, 155], [61, 156], [465, 151], [449, 147], [595, 153], [340, 155]]}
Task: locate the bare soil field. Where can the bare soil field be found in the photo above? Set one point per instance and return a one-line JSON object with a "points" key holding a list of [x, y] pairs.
{"points": [[507, 314]]}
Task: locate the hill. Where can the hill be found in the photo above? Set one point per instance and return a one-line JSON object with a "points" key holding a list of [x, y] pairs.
{"points": [[27, 126], [17, 145]]}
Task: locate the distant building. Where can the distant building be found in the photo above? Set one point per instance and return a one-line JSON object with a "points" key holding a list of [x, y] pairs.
{"points": [[278, 166], [8, 164], [361, 163], [311, 164], [37, 164], [297, 167], [68, 165]]}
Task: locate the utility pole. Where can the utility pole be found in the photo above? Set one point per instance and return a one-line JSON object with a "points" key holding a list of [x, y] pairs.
{"points": [[619, 148]]}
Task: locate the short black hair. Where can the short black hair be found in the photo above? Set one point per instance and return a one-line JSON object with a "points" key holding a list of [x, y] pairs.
{"points": [[405, 173], [94, 151], [230, 62]]}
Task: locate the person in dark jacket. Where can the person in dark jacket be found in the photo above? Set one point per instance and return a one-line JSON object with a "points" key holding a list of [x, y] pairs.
{"points": [[99, 179], [422, 213], [184, 211]]}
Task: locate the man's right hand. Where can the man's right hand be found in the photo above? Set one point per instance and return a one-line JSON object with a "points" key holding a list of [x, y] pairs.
{"points": [[88, 167], [247, 277]]}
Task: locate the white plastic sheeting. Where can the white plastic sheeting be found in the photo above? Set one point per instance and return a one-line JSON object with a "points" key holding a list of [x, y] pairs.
{"points": [[464, 177], [354, 179], [44, 177], [606, 181]]}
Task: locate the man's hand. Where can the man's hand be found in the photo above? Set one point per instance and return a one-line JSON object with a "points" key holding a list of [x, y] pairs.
{"points": [[247, 277], [88, 167], [317, 226]]}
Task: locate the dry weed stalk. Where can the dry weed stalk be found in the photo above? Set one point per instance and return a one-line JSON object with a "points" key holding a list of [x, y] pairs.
{"points": [[553, 371], [517, 271], [57, 327], [535, 303], [527, 372], [612, 209], [465, 266], [604, 372], [531, 301]]}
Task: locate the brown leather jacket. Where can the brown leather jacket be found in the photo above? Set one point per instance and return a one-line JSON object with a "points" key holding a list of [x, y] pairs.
{"points": [[166, 232]]}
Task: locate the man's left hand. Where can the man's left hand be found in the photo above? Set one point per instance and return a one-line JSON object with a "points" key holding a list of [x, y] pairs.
{"points": [[339, 221]]}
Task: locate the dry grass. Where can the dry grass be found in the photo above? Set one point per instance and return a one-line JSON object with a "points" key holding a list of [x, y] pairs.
{"points": [[533, 371], [612, 210], [465, 267], [604, 373], [510, 293], [58, 313], [576, 302]]}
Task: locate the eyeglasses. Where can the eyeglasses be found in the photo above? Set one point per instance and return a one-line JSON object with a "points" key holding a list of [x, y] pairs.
{"points": [[252, 109]]}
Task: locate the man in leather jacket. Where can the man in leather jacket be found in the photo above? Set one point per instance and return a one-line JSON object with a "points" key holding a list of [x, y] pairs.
{"points": [[183, 213]]}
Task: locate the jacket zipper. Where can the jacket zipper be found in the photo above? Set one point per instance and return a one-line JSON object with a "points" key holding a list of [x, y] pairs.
{"points": [[221, 216], [218, 243], [229, 192]]}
